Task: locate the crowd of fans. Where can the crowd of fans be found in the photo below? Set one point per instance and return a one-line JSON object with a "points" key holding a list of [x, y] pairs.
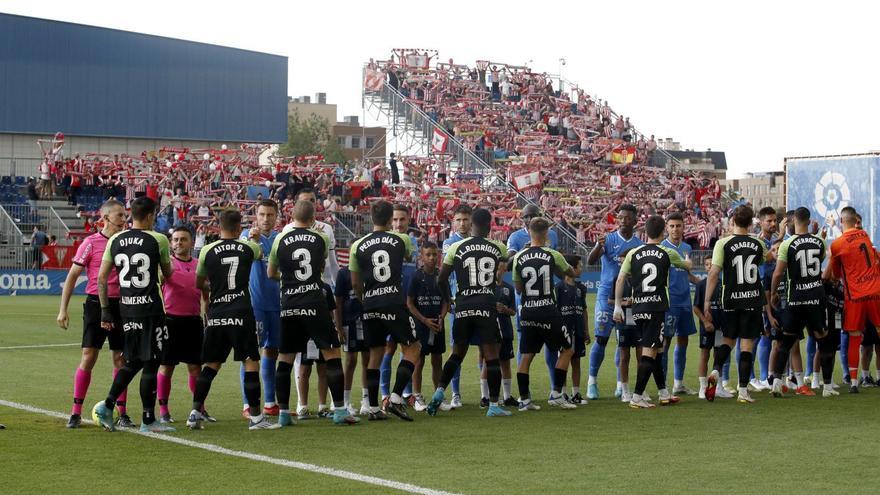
{"points": [[588, 161]]}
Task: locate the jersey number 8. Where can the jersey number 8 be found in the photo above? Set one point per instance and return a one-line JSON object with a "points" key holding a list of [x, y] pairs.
{"points": [[381, 266]]}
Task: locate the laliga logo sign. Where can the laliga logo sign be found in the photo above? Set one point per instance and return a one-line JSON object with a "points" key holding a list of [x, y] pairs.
{"points": [[831, 194]]}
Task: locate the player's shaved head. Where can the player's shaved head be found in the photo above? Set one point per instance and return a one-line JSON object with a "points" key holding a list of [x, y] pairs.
{"points": [[802, 216], [654, 226], [230, 220], [539, 226], [848, 217], [142, 207], [742, 216], [381, 213], [304, 211], [481, 221]]}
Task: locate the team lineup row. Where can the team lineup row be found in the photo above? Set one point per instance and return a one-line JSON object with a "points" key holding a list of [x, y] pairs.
{"points": [[153, 326]]}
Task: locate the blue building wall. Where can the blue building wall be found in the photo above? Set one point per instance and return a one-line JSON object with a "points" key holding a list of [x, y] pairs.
{"points": [[90, 81]]}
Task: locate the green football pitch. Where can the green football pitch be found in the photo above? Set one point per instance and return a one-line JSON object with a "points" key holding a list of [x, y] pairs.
{"points": [[790, 445]]}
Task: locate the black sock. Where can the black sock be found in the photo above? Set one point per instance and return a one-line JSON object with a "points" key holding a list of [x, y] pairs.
{"points": [[782, 352], [659, 372], [123, 377], [493, 376], [449, 368], [522, 381], [746, 361], [282, 384], [252, 391], [148, 391], [203, 386], [646, 367], [826, 359], [722, 352], [373, 386], [404, 374], [335, 381], [559, 380]]}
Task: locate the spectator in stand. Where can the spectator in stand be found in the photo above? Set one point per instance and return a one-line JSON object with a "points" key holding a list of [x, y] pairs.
{"points": [[53, 241], [38, 240], [32, 194], [395, 175]]}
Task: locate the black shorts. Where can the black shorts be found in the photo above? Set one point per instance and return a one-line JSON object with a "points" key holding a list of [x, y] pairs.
{"points": [[537, 330], [505, 351], [396, 322], [304, 360], [627, 336], [301, 324], [432, 343], [743, 323], [482, 323], [650, 329], [185, 335], [796, 318], [230, 333], [869, 336], [146, 338], [710, 340], [577, 334], [93, 335], [355, 334]]}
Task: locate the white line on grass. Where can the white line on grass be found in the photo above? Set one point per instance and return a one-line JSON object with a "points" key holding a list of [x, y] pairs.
{"points": [[38, 346], [312, 468]]}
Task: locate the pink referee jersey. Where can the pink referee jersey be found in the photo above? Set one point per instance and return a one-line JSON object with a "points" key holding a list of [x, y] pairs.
{"points": [[179, 292], [88, 256]]}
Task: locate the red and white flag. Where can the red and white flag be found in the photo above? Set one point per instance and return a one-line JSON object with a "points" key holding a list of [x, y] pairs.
{"points": [[530, 180], [342, 256], [438, 143], [373, 80]]}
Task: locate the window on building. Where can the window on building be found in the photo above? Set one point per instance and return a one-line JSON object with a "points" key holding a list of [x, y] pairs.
{"points": [[340, 140], [370, 142], [355, 142]]}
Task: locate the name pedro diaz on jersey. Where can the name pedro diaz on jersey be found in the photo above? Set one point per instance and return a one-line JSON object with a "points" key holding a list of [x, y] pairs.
{"points": [[393, 241]]}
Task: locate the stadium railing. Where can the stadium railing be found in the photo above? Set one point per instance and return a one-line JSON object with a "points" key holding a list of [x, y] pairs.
{"points": [[466, 160], [16, 257], [27, 216], [9, 230]]}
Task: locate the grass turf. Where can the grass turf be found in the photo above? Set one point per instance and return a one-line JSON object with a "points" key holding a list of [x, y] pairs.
{"points": [[788, 445]]}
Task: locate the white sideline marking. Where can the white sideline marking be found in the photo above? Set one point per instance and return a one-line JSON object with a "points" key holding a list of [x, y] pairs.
{"points": [[39, 346], [312, 468]]}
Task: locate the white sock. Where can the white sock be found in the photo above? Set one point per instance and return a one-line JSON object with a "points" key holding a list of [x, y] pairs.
{"points": [[365, 394], [676, 384], [866, 373], [484, 388], [619, 385], [374, 409], [743, 390], [636, 397], [591, 380], [505, 385], [321, 407], [284, 411], [346, 398], [704, 383], [817, 378], [575, 390], [269, 404], [257, 418], [396, 399], [799, 378], [624, 387]]}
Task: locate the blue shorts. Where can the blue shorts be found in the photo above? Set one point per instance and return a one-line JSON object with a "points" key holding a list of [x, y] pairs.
{"points": [[268, 328], [604, 323], [679, 323]]}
